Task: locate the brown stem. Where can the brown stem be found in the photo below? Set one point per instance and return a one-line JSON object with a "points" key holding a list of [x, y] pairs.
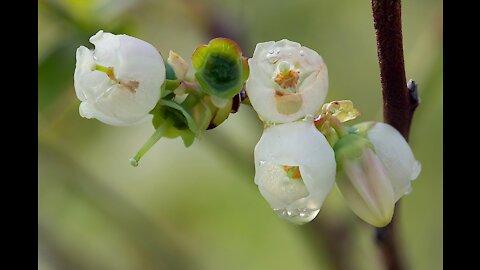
{"points": [[399, 103]]}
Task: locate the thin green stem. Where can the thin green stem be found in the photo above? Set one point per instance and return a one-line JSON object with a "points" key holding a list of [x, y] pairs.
{"points": [[338, 126], [164, 127]]}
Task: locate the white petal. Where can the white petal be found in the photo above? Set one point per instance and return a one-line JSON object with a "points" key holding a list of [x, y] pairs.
{"points": [[396, 155], [367, 189]]}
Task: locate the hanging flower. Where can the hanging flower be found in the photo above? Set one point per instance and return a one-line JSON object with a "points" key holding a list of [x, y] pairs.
{"points": [[287, 81], [374, 170], [294, 170], [119, 81]]}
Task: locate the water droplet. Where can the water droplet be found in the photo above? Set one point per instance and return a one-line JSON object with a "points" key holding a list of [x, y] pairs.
{"points": [[302, 53], [267, 124], [261, 162], [309, 118], [271, 52], [133, 162], [297, 216], [277, 52]]}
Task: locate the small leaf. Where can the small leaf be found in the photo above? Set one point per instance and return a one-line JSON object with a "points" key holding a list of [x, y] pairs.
{"points": [[343, 110], [188, 118]]}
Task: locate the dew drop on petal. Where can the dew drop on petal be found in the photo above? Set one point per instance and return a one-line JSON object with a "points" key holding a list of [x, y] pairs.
{"points": [[308, 118], [302, 53]]}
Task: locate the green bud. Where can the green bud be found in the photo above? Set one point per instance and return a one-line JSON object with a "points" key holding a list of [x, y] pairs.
{"points": [[363, 180], [221, 70], [349, 147]]}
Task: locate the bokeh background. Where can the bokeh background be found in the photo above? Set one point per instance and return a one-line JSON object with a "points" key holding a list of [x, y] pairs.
{"points": [[198, 208]]}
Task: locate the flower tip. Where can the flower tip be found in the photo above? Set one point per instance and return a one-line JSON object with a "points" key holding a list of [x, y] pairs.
{"points": [[133, 162], [381, 221], [97, 36]]}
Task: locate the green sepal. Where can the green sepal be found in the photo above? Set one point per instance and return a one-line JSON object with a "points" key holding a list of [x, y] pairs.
{"points": [[202, 113], [187, 138], [169, 72], [187, 118], [221, 70], [171, 84], [222, 114], [350, 147], [363, 128]]}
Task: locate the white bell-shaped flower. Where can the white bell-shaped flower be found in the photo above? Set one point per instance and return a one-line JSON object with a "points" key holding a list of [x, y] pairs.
{"points": [[118, 82], [286, 82], [396, 155], [294, 170], [374, 170]]}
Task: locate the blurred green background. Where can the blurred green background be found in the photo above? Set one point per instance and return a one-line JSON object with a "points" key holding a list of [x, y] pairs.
{"points": [[198, 208]]}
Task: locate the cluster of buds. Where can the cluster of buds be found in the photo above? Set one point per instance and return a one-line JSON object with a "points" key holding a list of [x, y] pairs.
{"points": [[305, 147], [125, 81]]}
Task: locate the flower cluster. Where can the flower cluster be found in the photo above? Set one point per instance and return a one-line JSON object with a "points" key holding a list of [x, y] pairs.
{"points": [[305, 147], [298, 159]]}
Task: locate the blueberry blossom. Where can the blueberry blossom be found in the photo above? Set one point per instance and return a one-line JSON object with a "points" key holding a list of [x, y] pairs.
{"points": [[294, 170], [287, 81], [374, 168], [118, 82], [396, 155]]}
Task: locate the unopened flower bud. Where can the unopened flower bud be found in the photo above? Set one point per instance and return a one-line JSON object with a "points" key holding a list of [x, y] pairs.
{"points": [[374, 170]]}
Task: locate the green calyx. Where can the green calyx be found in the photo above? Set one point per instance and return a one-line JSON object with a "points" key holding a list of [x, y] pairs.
{"points": [[221, 70], [363, 128], [183, 124], [349, 147], [169, 72]]}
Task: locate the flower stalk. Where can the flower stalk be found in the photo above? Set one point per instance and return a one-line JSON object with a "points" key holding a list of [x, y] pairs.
{"points": [[398, 105], [159, 132]]}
